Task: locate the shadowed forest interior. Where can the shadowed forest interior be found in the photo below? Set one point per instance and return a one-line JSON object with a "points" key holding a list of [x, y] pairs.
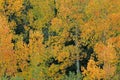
{"points": [[59, 39]]}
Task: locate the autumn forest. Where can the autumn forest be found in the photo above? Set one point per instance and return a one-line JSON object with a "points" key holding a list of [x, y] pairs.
{"points": [[59, 39]]}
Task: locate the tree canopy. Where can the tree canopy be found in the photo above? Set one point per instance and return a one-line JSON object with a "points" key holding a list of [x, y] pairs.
{"points": [[52, 39]]}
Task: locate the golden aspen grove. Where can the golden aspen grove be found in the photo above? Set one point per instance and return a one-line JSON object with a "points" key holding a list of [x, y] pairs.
{"points": [[59, 39]]}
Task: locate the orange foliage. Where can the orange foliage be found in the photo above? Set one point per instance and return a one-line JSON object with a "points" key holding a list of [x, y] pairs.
{"points": [[14, 6], [7, 56], [108, 56], [93, 71]]}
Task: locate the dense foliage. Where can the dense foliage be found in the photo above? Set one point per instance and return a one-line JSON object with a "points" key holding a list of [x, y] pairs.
{"points": [[45, 39]]}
